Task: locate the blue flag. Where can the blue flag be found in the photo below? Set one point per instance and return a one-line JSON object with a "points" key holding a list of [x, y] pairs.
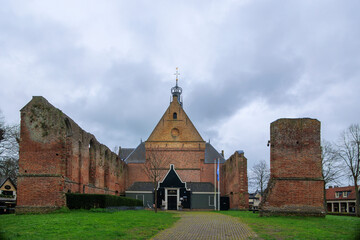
{"points": [[217, 171]]}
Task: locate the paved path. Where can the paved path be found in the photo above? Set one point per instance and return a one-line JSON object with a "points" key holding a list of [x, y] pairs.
{"points": [[206, 225]]}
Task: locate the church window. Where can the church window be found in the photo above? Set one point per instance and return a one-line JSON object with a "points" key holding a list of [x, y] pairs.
{"points": [[68, 127], [174, 115]]}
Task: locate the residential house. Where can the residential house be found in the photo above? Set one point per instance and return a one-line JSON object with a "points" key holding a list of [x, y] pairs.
{"points": [[254, 200], [341, 199], [7, 195]]}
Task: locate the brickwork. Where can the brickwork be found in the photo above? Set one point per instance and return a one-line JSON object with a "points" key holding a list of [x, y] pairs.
{"points": [[296, 186], [235, 183], [55, 158]]}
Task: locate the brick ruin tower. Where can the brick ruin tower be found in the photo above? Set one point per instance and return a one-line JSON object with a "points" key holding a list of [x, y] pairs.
{"points": [[296, 186]]}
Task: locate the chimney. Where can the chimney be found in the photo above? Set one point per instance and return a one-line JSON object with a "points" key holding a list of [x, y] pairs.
{"points": [[222, 153]]}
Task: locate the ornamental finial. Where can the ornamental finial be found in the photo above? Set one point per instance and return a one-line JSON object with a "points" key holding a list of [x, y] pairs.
{"points": [[177, 75]]}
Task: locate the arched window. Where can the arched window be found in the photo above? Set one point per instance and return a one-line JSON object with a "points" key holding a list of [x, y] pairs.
{"points": [[174, 115], [106, 170], [68, 127], [92, 163]]}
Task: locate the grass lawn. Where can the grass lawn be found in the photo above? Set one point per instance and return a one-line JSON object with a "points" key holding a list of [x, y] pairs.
{"points": [[330, 227], [82, 224]]}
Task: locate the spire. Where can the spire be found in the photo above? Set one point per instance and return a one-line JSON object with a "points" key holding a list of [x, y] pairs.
{"points": [[176, 91]]}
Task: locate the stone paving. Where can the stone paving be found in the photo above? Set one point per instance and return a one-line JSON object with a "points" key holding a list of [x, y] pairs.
{"points": [[206, 225]]}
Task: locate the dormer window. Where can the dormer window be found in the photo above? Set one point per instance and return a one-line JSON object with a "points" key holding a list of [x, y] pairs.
{"points": [[174, 115]]}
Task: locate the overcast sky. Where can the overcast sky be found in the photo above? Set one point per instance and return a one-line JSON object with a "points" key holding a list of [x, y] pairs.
{"points": [[109, 65]]}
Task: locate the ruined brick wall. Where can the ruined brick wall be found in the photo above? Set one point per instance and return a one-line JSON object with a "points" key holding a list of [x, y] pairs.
{"points": [[296, 186], [57, 156], [234, 181]]}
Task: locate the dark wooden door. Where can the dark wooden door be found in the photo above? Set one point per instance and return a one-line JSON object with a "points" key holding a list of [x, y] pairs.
{"points": [[172, 202]]}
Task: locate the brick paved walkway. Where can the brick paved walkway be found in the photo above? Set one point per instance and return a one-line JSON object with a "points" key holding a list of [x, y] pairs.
{"points": [[206, 225]]}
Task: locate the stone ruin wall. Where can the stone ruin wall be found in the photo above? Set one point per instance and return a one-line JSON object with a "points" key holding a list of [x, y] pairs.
{"points": [[296, 186], [234, 181], [57, 156]]}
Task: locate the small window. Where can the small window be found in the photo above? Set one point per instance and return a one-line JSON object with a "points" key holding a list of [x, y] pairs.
{"points": [[211, 200], [174, 115], [140, 197], [345, 194], [338, 194], [8, 193]]}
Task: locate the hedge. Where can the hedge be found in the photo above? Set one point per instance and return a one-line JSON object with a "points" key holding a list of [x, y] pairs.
{"points": [[87, 201]]}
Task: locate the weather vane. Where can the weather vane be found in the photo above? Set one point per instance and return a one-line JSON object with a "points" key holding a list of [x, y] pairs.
{"points": [[177, 75]]}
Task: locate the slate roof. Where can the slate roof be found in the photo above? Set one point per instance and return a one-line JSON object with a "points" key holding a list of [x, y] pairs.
{"points": [[125, 152], [330, 193], [3, 180], [200, 186], [211, 154], [141, 186], [137, 155], [193, 186]]}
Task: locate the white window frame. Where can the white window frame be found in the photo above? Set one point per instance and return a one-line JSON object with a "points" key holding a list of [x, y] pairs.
{"points": [[213, 204]]}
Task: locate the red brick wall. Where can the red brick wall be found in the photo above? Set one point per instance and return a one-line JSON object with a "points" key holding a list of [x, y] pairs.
{"points": [[55, 158], [235, 184], [296, 186]]}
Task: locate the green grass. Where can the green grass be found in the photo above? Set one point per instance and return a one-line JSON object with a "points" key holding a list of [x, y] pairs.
{"points": [[82, 224], [330, 227]]}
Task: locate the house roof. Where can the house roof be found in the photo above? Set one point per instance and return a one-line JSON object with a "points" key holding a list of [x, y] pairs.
{"points": [[141, 186], [4, 179], [137, 155], [211, 155], [330, 193], [193, 186], [200, 186]]}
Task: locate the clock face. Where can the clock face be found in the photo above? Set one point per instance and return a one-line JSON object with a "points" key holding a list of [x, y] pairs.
{"points": [[175, 132]]}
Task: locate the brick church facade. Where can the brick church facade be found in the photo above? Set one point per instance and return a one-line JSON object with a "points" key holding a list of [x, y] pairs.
{"points": [[57, 156]]}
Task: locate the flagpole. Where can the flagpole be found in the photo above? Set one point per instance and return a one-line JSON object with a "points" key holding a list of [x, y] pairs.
{"points": [[215, 186], [218, 184]]}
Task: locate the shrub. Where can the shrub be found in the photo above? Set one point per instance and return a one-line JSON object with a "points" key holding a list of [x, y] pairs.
{"points": [[87, 201]]}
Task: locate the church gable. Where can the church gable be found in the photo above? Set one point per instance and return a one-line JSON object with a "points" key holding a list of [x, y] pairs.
{"points": [[175, 126], [172, 180]]}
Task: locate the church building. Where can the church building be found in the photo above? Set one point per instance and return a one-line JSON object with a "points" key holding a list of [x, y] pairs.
{"points": [[175, 142], [57, 156]]}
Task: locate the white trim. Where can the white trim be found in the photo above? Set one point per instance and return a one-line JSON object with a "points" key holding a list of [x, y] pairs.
{"points": [[177, 197], [204, 193], [176, 175], [213, 204], [138, 192]]}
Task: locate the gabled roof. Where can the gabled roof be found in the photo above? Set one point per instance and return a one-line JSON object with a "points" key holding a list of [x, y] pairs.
{"points": [[330, 193], [125, 152], [211, 155], [4, 179], [173, 129], [137, 155], [172, 179]]}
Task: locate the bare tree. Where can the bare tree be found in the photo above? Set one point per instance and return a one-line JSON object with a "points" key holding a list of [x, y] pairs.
{"points": [[349, 152], [9, 149], [260, 175], [155, 168], [332, 170]]}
